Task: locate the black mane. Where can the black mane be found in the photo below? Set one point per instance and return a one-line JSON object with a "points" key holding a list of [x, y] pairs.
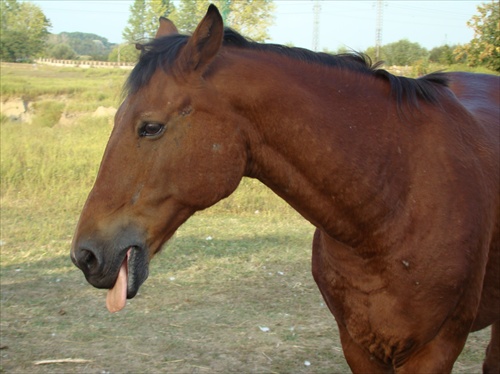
{"points": [[161, 53]]}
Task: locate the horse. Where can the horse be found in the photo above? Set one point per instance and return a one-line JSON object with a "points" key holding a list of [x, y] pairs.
{"points": [[399, 176]]}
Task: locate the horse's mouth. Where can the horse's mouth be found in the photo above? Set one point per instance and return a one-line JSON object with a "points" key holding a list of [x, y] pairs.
{"points": [[132, 273]]}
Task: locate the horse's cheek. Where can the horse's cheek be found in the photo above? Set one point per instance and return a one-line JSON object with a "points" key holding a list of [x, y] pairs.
{"points": [[218, 172]]}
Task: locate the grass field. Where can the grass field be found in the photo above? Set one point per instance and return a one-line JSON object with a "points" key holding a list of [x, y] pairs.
{"points": [[227, 275]]}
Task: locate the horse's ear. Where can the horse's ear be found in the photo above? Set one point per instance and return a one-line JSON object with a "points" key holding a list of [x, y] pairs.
{"points": [[204, 44], [166, 28]]}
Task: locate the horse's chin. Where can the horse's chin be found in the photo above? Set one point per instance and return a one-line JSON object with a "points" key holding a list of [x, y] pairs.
{"points": [[138, 270]]}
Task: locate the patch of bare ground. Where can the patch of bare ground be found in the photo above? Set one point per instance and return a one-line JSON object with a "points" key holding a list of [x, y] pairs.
{"points": [[24, 110], [17, 110]]}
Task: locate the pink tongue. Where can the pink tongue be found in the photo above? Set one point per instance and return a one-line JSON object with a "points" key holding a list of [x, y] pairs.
{"points": [[117, 296]]}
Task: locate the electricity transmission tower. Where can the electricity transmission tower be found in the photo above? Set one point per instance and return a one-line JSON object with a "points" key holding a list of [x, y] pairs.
{"points": [[378, 31], [316, 10]]}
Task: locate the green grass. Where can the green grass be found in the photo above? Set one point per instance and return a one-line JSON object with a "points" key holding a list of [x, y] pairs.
{"points": [[239, 266], [48, 112], [90, 87], [46, 161]]}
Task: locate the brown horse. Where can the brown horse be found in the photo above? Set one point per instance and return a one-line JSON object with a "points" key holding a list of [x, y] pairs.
{"points": [[400, 176]]}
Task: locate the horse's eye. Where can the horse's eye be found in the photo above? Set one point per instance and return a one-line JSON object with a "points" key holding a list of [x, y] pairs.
{"points": [[151, 129]]}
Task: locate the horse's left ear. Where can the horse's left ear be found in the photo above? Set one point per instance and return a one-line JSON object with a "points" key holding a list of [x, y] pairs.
{"points": [[166, 28], [204, 44]]}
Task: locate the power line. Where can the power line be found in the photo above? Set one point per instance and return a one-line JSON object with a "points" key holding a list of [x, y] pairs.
{"points": [[72, 11]]}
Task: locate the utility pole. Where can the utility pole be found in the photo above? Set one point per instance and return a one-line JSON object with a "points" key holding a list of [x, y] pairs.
{"points": [[316, 10], [378, 31]]}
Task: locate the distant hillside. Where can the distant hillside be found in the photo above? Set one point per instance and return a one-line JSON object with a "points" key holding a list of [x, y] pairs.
{"points": [[84, 44]]}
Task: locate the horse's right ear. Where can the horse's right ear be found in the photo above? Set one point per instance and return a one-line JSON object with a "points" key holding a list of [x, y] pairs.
{"points": [[203, 45], [166, 28]]}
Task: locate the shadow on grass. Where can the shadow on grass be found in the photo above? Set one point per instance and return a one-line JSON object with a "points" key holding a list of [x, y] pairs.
{"points": [[50, 311], [182, 251]]}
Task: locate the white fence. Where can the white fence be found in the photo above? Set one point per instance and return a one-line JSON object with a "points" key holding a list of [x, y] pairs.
{"points": [[85, 64]]}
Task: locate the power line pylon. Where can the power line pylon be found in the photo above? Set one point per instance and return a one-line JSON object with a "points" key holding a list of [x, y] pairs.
{"points": [[378, 31], [316, 10]]}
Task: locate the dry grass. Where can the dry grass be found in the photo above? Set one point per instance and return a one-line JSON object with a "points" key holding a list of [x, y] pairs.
{"points": [[201, 310], [202, 307]]}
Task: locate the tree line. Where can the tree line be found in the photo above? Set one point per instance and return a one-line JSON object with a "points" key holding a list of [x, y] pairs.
{"points": [[251, 18], [25, 35], [482, 50]]}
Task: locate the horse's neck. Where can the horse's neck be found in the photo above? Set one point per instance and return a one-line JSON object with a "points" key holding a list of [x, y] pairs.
{"points": [[312, 142]]}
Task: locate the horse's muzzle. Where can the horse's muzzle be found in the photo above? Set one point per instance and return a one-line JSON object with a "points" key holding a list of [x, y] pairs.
{"points": [[100, 260]]}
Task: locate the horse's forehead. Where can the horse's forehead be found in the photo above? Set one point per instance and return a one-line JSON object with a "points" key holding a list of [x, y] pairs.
{"points": [[123, 109], [161, 84], [155, 99], [152, 93]]}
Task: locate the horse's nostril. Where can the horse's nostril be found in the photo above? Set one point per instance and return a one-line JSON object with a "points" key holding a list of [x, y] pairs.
{"points": [[86, 259], [89, 259]]}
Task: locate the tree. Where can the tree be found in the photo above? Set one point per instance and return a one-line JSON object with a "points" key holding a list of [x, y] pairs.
{"points": [[443, 54], [136, 30], [156, 9], [61, 52], [484, 49], [372, 52], [83, 45], [403, 52], [24, 28], [251, 18], [143, 19], [124, 53], [87, 44], [189, 14]]}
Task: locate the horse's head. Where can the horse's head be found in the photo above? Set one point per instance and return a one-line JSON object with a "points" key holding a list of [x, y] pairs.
{"points": [[175, 149]]}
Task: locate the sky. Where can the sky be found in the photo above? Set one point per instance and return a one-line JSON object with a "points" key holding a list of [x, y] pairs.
{"points": [[350, 24]]}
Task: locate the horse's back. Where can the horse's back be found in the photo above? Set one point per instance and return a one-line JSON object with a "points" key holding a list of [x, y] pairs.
{"points": [[480, 95]]}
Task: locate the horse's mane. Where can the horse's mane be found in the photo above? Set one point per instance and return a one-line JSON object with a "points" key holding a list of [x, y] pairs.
{"points": [[161, 53]]}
